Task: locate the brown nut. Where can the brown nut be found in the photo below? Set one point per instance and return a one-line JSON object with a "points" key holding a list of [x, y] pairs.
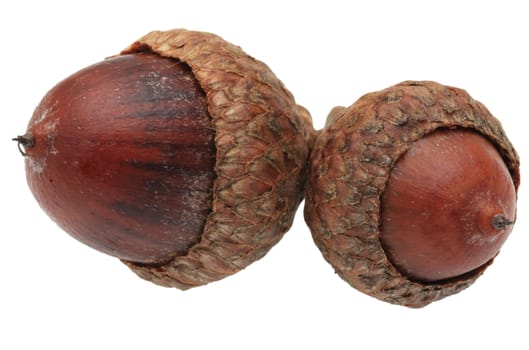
{"points": [[183, 156], [407, 184]]}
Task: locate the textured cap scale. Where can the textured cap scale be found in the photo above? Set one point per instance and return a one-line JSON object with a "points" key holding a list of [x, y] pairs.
{"points": [[261, 139]]}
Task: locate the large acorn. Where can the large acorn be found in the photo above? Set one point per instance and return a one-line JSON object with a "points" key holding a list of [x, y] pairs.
{"points": [[182, 156], [411, 192]]}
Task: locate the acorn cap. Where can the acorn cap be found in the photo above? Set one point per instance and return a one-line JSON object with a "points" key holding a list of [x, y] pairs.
{"points": [[261, 139], [350, 165]]}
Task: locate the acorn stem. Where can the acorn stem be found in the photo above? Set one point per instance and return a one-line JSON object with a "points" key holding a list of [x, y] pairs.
{"points": [[334, 114], [499, 222], [306, 119], [24, 142]]}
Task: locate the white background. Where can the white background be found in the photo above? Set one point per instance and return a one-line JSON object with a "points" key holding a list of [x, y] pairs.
{"points": [[56, 293]]}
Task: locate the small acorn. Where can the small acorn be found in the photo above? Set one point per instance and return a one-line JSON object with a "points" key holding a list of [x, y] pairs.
{"points": [[182, 156], [411, 192]]}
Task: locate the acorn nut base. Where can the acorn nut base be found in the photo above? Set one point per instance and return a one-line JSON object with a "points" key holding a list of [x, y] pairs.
{"points": [[349, 168], [182, 156]]}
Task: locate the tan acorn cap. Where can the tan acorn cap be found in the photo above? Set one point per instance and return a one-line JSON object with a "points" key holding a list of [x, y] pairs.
{"points": [[261, 140], [350, 165]]}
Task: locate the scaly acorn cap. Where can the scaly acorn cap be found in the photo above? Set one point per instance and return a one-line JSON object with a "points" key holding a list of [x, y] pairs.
{"points": [[350, 165], [262, 143]]}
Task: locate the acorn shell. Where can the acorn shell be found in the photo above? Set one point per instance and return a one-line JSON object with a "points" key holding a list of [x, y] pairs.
{"points": [[350, 165], [261, 139]]}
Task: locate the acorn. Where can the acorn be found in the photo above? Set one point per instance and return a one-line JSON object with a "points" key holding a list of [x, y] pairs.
{"points": [[411, 192], [182, 156]]}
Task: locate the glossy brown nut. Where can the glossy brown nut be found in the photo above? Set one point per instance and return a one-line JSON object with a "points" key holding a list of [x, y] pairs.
{"points": [[360, 209], [448, 206], [123, 157], [183, 156]]}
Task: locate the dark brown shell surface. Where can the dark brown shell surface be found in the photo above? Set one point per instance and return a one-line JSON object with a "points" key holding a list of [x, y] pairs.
{"points": [[350, 165], [261, 139]]}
